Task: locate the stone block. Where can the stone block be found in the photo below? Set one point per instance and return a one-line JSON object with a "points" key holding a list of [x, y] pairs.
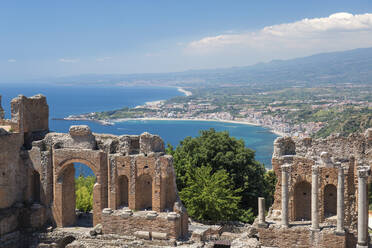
{"points": [[151, 215], [79, 131], [126, 213], [151, 143], [173, 216], [107, 211], [98, 228], [142, 235], [129, 144], [159, 235]]}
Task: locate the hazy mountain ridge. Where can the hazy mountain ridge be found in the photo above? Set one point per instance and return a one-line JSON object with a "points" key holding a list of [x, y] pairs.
{"points": [[352, 66]]}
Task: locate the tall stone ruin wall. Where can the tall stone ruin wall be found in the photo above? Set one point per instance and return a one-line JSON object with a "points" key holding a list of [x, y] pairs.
{"points": [[32, 113], [352, 151], [37, 173]]}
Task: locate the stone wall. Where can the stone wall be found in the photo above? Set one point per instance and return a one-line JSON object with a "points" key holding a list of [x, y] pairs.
{"points": [[275, 236], [17, 190], [37, 174], [126, 222], [32, 113], [302, 154], [12, 173]]}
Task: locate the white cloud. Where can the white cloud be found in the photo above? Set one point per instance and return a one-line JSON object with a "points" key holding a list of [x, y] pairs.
{"points": [[340, 31], [68, 60], [12, 60], [103, 59]]}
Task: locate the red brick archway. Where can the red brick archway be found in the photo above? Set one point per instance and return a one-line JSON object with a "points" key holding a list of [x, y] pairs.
{"points": [[64, 186]]}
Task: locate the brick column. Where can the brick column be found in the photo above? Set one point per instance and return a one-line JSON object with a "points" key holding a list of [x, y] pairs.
{"points": [[285, 175], [315, 198], [363, 173], [340, 201]]}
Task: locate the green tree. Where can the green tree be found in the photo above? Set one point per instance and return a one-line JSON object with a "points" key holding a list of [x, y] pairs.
{"points": [[219, 151], [210, 196], [270, 183], [84, 192], [84, 199]]}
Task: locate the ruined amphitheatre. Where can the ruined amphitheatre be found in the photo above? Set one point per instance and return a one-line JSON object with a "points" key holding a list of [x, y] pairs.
{"points": [[320, 197]]}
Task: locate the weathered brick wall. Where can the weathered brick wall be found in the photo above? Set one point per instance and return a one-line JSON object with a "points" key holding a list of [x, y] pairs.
{"points": [[156, 168], [13, 176], [63, 160], [8, 221], [40, 161], [275, 236], [31, 113], [116, 223], [302, 153], [36, 168]]}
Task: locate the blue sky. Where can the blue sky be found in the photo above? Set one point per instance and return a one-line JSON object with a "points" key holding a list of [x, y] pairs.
{"points": [[58, 38]]}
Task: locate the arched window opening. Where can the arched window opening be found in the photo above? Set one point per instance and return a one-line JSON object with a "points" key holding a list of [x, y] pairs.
{"points": [[330, 200], [302, 201], [74, 192], [144, 192], [123, 191], [84, 185]]}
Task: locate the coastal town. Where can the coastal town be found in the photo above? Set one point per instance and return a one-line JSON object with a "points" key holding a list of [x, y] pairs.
{"points": [[284, 117]]}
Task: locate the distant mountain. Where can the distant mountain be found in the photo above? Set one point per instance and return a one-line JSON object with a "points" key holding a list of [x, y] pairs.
{"points": [[353, 66]]}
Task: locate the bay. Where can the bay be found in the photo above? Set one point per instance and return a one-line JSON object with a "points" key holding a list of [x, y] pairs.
{"points": [[77, 99]]}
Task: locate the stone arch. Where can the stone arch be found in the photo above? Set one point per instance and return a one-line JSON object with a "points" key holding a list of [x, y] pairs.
{"points": [[66, 178], [64, 183], [302, 201], [330, 200], [122, 190], [144, 192], [70, 161]]}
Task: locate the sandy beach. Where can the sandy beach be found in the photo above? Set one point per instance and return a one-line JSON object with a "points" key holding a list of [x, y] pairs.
{"points": [[186, 92], [197, 119]]}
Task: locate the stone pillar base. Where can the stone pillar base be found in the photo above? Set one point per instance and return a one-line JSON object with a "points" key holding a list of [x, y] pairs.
{"points": [[338, 233], [362, 246], [263, 225]]}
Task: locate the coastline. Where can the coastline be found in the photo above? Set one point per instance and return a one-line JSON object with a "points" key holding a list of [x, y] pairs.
{"points": [[158, 102], [186, 92], [111, 122], [198, 119]]}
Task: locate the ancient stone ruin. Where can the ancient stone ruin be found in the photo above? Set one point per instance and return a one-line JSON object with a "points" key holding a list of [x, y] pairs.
{"points": [[320, 198], [135, 191], [321, 194]]}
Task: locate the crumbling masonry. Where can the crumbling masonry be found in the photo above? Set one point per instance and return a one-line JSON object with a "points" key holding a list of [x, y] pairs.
{"points": [[320, 198], [135, 191], [321, 193]]}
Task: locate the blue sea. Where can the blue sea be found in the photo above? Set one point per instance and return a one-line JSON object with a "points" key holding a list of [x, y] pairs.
{"points": [[67, 100]]}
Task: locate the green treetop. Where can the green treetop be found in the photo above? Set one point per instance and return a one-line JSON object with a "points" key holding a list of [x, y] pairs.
{"points": [[222, 159]]}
